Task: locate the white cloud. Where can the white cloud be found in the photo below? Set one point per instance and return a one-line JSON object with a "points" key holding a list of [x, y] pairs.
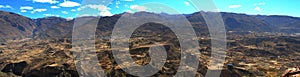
{"points": [[103, 10], [260, 3], [23, 11], [64, 12], [106, 13], [69, 18], [73, 10], [129, 11], [69, 4], [187, 4], [133, 6], [26, 8], [82, 15], [118, 2], [46, 1], [38, 10], [138, 8], [234, 6], [49, 15], [54, 7], [258, 9], [6, 6], [128, 0], [98, 7]]}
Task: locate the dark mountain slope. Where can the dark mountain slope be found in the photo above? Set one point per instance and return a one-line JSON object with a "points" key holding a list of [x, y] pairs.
{"points": [[45, 23], [233, 22], [14, 26], [243, 22], [285, 24]]}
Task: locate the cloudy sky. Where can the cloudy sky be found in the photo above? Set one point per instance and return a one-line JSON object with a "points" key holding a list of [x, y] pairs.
{"points": [[70, 8]]}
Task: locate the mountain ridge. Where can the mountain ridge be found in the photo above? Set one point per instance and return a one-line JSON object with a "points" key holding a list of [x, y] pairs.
{"points": [[15, 26]]}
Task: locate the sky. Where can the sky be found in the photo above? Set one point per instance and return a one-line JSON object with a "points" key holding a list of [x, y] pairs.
{"points": [[77, 8]]}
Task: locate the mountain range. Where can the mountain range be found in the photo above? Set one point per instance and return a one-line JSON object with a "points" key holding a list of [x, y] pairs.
{"points": [[15, 26]]}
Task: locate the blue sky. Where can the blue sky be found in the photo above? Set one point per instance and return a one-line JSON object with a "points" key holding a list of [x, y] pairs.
{"points": [[70, 8]]}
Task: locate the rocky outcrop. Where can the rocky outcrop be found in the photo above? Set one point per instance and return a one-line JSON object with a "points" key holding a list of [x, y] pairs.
{"points": [[15, 68], [52, 71], [292, 72]]}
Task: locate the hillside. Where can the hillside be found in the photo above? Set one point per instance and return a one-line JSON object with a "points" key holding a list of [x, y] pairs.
{"points": [[14, 26]]}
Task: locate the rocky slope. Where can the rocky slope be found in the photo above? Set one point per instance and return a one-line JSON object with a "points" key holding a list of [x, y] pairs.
{"points": [[14, 26], [49, 54]]}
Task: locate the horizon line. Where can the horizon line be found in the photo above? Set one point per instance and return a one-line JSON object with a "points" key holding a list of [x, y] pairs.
{"points": [[149, 12]]}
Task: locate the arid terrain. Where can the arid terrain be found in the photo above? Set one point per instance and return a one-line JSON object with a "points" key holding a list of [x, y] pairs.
{"points": [[44, 48]]}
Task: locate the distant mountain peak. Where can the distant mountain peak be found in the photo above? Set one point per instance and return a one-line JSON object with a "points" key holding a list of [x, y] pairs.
{"points": [[14, 26]]}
